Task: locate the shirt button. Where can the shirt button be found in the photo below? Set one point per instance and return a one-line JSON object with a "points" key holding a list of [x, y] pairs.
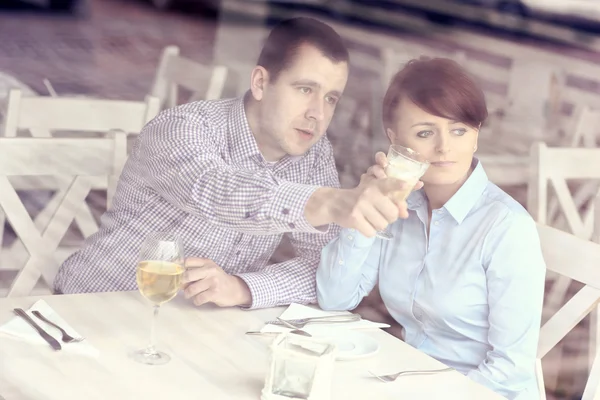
{"points": [[436, 223], [285, 211], [341, 262], [291, 225], [247, 215], [350, 237]]}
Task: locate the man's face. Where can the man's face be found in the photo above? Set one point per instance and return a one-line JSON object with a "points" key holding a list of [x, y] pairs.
{"points": [[296, 108]]}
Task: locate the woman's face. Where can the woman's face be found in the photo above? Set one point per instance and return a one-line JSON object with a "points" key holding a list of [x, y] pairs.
{"points": [[448, 145]]}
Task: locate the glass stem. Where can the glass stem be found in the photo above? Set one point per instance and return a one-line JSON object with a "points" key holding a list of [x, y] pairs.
{"points": [[151, 349]]}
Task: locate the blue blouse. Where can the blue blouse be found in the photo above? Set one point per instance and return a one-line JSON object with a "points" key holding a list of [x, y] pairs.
{"points": [[469, 295]]}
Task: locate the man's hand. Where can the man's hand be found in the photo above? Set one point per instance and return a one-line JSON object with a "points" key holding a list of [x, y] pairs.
{"points": [[367, 208], [377, 171], [205, 282]]}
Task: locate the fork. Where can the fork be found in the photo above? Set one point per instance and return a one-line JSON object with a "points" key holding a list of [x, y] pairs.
{"points": [[302, 322], [66, 338], [294, 328], [393, 377]]}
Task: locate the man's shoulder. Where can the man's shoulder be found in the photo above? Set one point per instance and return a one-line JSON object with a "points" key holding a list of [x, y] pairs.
{"points": [[211, 112]]}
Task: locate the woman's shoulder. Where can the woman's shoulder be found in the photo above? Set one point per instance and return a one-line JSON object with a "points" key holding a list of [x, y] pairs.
{"points": [[503, 204]]}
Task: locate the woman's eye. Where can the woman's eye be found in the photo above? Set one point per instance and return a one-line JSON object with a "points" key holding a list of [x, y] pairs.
{"points": [[424, 134], [459, 132]]}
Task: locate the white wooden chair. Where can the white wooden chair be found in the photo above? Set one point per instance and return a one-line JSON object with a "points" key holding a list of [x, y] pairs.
{"points": [[556, 165], [586, 133], [72, 117], [578, 259], [65, 157], [203, 81]]}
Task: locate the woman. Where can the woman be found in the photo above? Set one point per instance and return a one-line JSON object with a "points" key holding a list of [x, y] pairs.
{"points": [[464, 273]]}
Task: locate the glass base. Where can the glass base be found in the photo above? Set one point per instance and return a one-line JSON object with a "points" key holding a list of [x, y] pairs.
{"points": [[146, 356], [384, 235]]}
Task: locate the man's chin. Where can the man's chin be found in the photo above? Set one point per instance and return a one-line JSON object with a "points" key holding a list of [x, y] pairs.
{"points": [[298, 150]]}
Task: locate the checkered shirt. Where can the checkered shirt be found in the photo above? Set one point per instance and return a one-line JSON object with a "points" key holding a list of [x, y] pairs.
{"points": [[196, 171]]}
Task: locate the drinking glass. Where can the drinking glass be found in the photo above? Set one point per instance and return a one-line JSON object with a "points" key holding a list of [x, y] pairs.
{"points": [[407, 165], [158, 274], [301, 368]]}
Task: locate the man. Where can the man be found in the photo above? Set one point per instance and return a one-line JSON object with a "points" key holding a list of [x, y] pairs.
{"points": [[230, 177]]}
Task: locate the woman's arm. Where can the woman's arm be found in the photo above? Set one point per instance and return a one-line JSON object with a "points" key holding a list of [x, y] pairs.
{"points": [[515, 273], [348, 270]]}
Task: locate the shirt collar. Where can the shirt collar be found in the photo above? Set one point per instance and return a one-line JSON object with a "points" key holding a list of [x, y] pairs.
{"points": [[463, 200], [242, 141]]}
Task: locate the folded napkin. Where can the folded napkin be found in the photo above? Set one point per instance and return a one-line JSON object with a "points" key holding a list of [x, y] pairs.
{"points": [[18, 328], [296, 311]]}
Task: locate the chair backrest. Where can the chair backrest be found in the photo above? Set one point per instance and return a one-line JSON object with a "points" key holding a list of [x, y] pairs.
{"points": [[556, 165], [587, 128], [41, 114], [78, 161], [577, 259], [203, 81]]}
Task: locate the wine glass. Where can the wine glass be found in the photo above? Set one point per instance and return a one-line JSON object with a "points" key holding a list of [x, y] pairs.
{"points": [[408, 166], [158, 274]]}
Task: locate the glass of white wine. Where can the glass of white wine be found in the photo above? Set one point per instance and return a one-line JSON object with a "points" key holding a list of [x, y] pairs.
{"points": [[406, 165], [158, 274]]}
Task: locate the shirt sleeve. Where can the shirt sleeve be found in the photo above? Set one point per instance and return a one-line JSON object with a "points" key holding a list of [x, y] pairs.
{"points": [[180, 154], [293, 281], [348, 270], [515, 273]]}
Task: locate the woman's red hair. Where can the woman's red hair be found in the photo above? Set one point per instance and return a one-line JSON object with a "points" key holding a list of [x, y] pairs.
{"points": [[439, 86]]}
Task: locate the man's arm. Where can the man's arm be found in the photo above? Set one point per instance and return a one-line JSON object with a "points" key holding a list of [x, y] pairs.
{"points": [[181, 156]]}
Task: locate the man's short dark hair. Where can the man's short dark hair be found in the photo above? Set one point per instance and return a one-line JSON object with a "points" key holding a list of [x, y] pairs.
{"points": [[285, 39]]}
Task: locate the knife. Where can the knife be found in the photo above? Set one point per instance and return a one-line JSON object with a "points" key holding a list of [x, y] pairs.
{"points": [[51, 341]]}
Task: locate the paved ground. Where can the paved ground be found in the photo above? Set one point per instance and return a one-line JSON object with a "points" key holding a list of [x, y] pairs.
{"points": [[114, 52]]}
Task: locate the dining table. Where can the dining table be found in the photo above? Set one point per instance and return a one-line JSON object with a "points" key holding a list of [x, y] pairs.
{"points": [[212, 357]]}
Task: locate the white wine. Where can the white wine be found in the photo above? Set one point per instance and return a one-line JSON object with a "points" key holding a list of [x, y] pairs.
{"points": [[159, 281], [400, 171]]}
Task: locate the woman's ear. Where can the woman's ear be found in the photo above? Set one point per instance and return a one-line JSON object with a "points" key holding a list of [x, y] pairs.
{"points": [[390, 134]]}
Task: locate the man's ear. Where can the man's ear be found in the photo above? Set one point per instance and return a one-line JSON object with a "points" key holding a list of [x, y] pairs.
{"points": [[258, 82]]}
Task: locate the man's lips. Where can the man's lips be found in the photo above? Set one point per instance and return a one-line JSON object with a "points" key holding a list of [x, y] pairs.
{"points": [[306, 132]]}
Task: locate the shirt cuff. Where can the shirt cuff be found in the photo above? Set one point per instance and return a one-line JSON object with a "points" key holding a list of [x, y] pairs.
{"points": [[263, 289], [287, 209]]}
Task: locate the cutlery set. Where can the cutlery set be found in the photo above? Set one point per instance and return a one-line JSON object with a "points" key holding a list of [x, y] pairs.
{"points": [[66, 338], [295, 324]]}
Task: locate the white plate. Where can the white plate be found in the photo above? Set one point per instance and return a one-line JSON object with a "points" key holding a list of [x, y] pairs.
{"points": [[351, 344]]}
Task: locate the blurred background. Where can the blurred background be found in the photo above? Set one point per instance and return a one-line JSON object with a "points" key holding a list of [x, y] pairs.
{"points": [[537, 60]]}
